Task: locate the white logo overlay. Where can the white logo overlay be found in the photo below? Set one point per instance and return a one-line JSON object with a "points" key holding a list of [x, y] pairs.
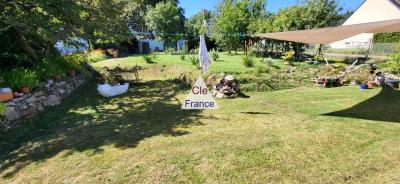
{"points": [[199, 97]]}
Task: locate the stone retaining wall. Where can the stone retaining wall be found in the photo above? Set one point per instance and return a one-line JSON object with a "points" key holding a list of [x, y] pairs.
{"points": [[47, 95]]}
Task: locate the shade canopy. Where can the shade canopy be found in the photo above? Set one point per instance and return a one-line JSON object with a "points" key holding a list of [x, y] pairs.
{"points": [[332, 34]]}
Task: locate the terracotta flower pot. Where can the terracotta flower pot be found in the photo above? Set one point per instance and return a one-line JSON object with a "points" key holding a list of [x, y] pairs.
{"points": [[57, 78], [25, 90], [371, 84], [5, 97], [72, 73]]}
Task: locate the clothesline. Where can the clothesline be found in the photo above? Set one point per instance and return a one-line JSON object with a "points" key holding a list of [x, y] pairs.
{"points": [[190, 34]]}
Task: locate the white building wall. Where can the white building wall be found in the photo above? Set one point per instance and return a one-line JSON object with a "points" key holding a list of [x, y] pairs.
{"points": [[369, 11]]}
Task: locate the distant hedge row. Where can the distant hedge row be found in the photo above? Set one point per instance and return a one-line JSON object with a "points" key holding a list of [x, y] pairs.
{"points": [[387, 37]]}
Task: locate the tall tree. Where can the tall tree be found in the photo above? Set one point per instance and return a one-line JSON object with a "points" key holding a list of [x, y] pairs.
{"points": [[30, 28], [136, 10], [165, 19], [195, 26], [234, 20], [310, 14]]}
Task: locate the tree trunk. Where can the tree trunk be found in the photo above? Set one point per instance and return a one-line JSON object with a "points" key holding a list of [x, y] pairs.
{"points": [[24, 44]]}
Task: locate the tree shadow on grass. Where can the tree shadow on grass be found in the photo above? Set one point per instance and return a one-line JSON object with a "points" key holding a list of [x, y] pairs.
{"points": [[85, 121], [255, 113], [385, 106]]}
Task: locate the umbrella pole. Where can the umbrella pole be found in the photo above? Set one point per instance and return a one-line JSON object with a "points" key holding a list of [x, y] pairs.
{"points": [[369, 49], [319, 52]]}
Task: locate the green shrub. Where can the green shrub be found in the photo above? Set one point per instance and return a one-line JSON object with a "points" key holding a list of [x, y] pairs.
{"points": [[183, 57], [194, 60], [51, 67], [214, 55], [361, 75], [393, 66], [384, 49], [248, 61], [110, 75], [2, 111], [20, 77], [263, 70], [74, 61], [148, 59], [170, 51], [96, 55], [339, 66], [289, 56], [396, 57], [112, 53]]}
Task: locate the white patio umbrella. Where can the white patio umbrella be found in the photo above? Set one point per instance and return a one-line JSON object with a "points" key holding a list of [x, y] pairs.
{"points": [[204, 59]]}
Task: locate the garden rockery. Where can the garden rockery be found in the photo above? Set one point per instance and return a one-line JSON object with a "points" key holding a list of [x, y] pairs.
{"points": [[47, 95]]}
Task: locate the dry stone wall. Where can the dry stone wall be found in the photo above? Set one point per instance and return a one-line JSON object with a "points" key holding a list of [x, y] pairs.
{"points": [[43, 97]]}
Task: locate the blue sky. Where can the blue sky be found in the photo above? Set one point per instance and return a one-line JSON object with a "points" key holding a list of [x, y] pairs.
{"points": [[194, 6]]}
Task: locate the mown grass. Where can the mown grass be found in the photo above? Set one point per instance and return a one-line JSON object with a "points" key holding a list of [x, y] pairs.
{"points": [[300, 135], [267, 74], [227, 63]]}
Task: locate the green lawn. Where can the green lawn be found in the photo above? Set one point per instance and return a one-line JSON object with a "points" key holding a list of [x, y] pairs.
{"points": [[301, 135], [227, 63]]}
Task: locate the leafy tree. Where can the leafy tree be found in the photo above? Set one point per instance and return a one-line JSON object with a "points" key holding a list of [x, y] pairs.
{"points": [[136, 10], [103, 20], [166, 20], [30, 28], [311, 14], [195, 26], [387, 37], [235, 19]]}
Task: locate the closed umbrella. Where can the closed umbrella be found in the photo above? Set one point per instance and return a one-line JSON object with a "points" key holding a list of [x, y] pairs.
{"points": [[204, 59]]}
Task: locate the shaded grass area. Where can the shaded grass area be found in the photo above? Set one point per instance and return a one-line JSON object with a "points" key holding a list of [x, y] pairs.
{"points": [[289, 136], [382, 107], [85, 122]]}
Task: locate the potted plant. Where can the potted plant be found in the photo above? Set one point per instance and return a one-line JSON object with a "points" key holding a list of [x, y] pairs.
{"points": [[53, 68], [30, 80], [109, 75], [6, 94], [73, 62], [57, 73], [288, 58], [22, 79]]}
